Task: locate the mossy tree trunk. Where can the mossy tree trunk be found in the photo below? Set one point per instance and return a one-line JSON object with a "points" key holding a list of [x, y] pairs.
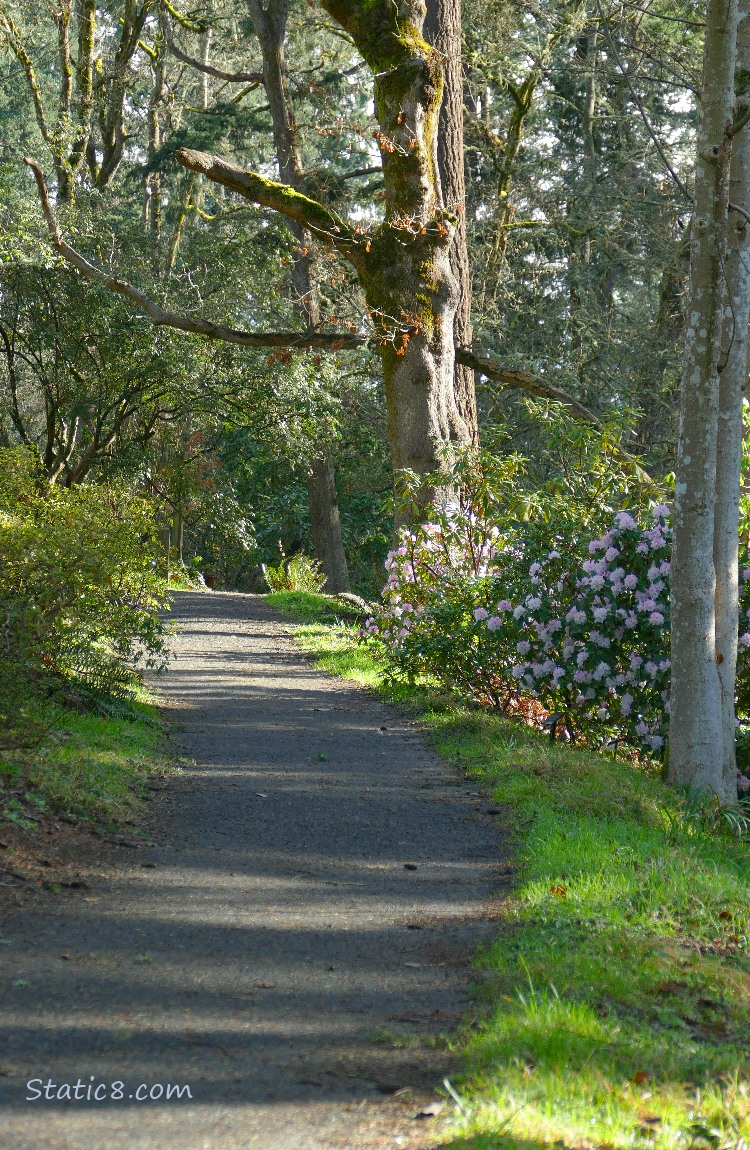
{"points": [[404, 265]]}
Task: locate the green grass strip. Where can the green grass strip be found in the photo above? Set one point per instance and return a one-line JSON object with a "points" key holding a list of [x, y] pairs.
{"points": [[617, 993], [90, 765]]}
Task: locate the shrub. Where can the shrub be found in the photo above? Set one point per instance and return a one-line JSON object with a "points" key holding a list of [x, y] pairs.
{"points": [[296, 574], [510, 610], [79, 589]]}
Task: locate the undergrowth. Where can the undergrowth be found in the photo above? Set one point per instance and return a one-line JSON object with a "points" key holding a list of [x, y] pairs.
{"points": [[617, 993], [92, 765]]}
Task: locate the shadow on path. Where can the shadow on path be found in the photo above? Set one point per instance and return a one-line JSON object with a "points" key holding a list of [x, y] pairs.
{"points": [[290, 947]]}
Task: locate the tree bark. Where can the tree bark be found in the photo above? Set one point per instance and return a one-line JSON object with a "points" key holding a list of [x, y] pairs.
{"points": [[695, 731], [732, 383], [443, 31], [326, 524], [325, 520], [405, 268], [403, 264]]}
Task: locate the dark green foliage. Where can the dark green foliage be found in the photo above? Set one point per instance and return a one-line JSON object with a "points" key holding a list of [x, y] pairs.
{"points": [[79, 589]]}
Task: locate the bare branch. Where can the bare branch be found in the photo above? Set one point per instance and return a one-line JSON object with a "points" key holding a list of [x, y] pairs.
{"points": [[230, 77], [513, 377], [330, 341], [358, 172]]}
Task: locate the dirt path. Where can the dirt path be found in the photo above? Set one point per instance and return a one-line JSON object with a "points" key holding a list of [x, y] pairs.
{"points": [[317, 885]]}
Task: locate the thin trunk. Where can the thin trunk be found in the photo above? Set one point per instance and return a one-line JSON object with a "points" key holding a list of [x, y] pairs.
{"points": [[326, 524], [325, 520], [732, 381], [695, 732], [152, 189], [580, 250]]}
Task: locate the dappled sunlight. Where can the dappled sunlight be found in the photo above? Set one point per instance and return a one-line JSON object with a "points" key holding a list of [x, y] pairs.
{"points": [[302, 922]]}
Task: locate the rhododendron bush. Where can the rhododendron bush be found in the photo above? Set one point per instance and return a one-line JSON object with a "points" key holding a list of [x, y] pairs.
{"points": [[506, 608]]}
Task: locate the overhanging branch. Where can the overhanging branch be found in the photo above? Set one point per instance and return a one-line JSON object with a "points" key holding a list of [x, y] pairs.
{"points": [[331, 341], [326, 341], [325, 224], [513, 377]]}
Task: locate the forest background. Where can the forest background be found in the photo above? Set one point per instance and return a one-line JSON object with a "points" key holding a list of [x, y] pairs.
{"points": [[204, 372], [579, 133], [500, 214]]}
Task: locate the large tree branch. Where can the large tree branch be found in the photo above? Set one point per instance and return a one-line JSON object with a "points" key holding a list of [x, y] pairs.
{"points": [[321, 221], [330, 341], [162, 318], [513, 377]]}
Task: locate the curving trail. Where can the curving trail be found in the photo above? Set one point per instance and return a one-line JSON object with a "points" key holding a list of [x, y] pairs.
{"points": [[272, 945]]}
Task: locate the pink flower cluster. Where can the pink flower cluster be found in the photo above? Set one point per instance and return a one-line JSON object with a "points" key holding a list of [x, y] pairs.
{"points": [[584, 628], [594, 643]]}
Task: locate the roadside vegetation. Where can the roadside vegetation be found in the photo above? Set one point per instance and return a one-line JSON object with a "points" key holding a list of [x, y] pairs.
{"points": [[90, 765], [80, 598], [616, 997]]}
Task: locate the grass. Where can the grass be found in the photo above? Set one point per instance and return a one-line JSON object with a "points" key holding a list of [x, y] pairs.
{"points": [[90, 765], [617, 993]]}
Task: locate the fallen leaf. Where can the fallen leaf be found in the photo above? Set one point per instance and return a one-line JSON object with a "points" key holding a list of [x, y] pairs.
{"points": [[725, 914], [558, 890], [640, 1077]]}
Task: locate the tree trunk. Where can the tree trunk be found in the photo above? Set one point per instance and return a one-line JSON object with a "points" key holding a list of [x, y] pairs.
{"points": [[403, 264], [406, 268], [443, 31], [326, 525], [732, 382], [325, 521], [695, 731]]}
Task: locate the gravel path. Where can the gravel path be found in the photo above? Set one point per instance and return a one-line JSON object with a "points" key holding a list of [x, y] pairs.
{"points": [[291, 944]]}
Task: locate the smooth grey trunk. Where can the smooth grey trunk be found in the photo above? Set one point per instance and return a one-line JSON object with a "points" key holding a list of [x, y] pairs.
{"points": [[695, 730], [325, 520], [732, 382]]}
